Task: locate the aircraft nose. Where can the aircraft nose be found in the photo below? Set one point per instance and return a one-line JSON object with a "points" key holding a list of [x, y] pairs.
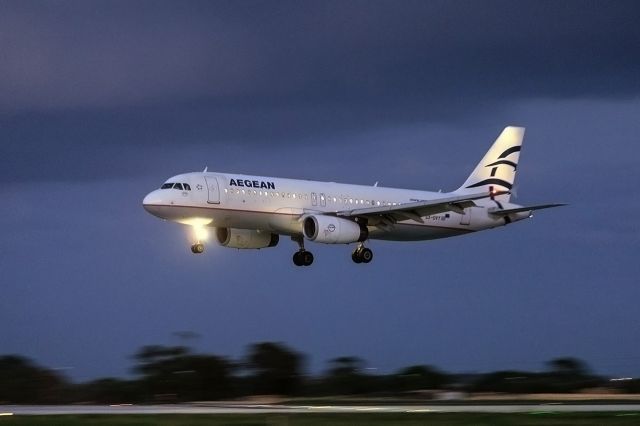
{"points": [[150, 201]]}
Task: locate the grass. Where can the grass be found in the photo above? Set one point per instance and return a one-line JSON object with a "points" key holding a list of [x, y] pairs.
{"points": [[312, 419]]}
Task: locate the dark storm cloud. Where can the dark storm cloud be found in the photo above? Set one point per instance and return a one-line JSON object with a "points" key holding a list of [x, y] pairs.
{"points": [[106, 80], [265, 54]]}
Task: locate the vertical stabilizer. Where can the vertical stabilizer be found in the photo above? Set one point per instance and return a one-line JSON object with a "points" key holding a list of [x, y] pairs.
{"points": [[498, 167]]}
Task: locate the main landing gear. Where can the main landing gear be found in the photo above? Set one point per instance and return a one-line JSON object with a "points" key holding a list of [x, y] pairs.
{"points": [[197, 248], [302, 257], [362, 254], [305, 258]]}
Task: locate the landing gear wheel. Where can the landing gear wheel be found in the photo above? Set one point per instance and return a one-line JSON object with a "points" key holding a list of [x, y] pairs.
{"points": [[197, 248], [366, 255], [302, 258], [362, 255], [307, 258]]}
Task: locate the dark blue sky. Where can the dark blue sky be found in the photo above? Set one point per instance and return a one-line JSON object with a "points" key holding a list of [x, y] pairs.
{"points": [[100, 102]]}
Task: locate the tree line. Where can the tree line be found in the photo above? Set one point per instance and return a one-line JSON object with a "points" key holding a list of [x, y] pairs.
{"points": [[177, 374]]}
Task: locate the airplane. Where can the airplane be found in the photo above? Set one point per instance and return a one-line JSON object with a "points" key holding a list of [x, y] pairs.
{"points": [[252, 212]]}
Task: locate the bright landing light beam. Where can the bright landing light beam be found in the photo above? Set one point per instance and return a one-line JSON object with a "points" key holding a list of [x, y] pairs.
{"points": [[200, 232]]}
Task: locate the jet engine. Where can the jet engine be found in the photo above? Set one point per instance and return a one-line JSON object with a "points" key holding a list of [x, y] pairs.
{"points": [[333, 230], [245, 238]]}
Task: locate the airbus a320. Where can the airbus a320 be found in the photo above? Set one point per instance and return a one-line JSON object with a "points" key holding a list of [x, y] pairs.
{"points": [[252, 212]]}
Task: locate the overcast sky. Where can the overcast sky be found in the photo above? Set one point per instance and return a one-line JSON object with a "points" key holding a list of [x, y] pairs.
{"points": [[101, 101]]}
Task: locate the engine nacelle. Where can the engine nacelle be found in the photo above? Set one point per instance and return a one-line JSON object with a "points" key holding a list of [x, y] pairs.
{"points": [[333, 230], [246, 238]]}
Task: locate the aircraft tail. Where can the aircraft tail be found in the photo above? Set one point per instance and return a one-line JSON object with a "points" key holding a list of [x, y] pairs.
{"points": [[497, 169]]}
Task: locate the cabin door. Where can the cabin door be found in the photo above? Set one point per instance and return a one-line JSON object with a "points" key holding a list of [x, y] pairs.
{"points": [[213, 189]]}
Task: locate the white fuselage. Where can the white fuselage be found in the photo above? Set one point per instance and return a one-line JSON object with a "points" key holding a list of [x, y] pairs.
{"points": [[277, 205]]}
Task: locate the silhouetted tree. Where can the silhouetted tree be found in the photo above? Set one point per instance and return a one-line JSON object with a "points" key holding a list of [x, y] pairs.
{"points": [[108, 391], [22, 381], [511, 382], [276, 368], [173, 373], [419, 377], [565, 375], [346, 376], [568, 366], [569, 374]]}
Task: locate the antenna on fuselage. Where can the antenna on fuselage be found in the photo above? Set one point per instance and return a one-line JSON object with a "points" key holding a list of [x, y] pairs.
{"points": [[375, 184], [205, 169]]}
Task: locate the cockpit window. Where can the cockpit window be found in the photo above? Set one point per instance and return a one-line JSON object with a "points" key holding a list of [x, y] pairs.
{"points": [[180, 186]]}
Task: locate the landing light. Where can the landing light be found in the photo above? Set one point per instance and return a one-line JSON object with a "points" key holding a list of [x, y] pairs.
{"points": [[196, 221], [201, 233]]}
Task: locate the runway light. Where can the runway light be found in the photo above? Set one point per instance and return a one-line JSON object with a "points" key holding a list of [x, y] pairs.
{"points": [[6, 414]]}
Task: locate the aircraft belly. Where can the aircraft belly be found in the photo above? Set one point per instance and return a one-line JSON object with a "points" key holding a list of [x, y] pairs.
{"points": [[245, 220]]}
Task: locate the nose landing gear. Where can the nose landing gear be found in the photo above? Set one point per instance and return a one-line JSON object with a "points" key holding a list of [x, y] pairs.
{"points": [[362, 254], [197, 248], [200, 233]]}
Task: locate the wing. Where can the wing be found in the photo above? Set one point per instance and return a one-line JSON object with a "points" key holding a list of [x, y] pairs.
{"points": [[415, 211]]}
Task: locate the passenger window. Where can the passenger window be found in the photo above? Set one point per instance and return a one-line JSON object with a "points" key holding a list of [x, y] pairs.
{"points": [[187, 187], [177, 186]]}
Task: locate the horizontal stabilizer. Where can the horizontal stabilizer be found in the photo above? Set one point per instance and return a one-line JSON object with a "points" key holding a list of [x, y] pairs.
{"points": [[505, 212]]}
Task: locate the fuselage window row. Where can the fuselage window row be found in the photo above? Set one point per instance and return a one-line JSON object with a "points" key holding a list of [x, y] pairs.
{"points": [[345, 199]]}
